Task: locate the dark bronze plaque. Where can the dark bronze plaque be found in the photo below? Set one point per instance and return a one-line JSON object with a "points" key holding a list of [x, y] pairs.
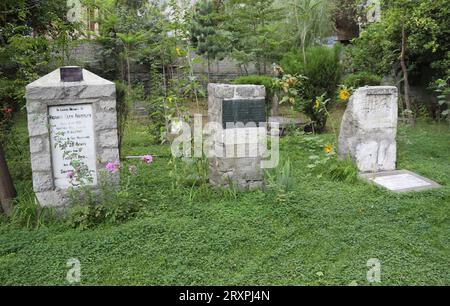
{"points": [[71, 74], [245, 111]]}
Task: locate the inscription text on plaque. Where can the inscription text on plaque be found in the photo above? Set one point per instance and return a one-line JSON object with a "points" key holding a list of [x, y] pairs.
{"points": [[72, 140]]}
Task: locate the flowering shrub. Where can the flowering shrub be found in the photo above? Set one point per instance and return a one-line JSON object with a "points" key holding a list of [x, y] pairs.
{"points": [[317, 111], [6, 115], [324, 161], [110, 203]]}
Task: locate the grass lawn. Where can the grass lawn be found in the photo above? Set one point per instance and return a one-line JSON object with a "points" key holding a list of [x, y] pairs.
{"points": [[322, 233]]}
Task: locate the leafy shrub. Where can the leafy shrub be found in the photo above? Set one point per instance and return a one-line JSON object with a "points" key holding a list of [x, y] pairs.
{"points": [[29, 214], [442, 88], [266, 81], [189, 172], [109, 203], [323, 71], [362, 79], [323, 161], [11, 100]]}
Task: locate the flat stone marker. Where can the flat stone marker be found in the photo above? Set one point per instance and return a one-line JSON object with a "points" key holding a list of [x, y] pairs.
{"points": [[400, 181]]}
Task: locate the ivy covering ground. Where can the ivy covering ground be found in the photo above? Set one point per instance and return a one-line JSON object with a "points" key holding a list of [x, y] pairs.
{"points": [[322, 232]]}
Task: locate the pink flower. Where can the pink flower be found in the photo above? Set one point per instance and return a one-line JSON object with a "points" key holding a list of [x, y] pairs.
{"points": [[113, 167], [148, 159], [70, 174], [7, 110]]}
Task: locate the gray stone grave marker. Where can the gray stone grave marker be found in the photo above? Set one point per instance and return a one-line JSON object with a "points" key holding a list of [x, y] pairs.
{"points": [[369, 129], [238, 111], [70, 123], [368, 136]]}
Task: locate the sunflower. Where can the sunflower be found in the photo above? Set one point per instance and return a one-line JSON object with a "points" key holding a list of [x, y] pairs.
{"points": [[328, 149], [317, 104], [344, 94]]}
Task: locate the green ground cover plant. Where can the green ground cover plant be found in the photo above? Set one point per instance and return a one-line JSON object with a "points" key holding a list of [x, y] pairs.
{"points": [[320, 231]]}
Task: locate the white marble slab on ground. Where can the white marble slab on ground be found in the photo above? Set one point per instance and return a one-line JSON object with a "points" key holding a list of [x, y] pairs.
{"points": [[400, 181]]}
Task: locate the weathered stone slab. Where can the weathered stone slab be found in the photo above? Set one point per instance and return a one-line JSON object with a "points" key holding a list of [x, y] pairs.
{"points": [[70, 121], [369, 129], [400, 181]]}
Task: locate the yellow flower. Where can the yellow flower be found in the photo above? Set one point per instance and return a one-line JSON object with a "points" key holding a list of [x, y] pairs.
{"points": [[179, 52], [328, 149], [344, 94], [292, 100], [317, 104]]}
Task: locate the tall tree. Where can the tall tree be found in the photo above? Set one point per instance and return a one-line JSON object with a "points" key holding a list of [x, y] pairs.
{"points": [[255, 31], [309, 20], [206, 34]]}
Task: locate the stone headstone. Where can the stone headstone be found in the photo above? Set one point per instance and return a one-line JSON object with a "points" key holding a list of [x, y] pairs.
{"points": [[238, 112], [72, 124], [369, 129]]}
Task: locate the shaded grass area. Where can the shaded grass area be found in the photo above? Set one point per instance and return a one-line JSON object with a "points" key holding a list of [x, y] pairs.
{"points": [[323, 233]]}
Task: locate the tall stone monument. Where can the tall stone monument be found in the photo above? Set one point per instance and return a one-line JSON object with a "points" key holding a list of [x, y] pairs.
{"points": [[239, 143], [369, 129], [72, 123]]}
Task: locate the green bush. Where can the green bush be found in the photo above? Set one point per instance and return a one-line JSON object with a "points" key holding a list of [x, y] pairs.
{"points": [[362, 79], [323, 72], [109, 204], [322, 68], [264, 80]]}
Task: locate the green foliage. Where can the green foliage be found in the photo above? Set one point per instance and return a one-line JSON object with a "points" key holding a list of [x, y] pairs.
{"points": [[177, 241], [255, 32], [322, 68], [123, 106], [188, 172], [206, 35], [377, 50], [442, 88], [109, 204], [323, 161], [361, 79], [27, 213], [281, 177], [317, 111], [323, 71], [308, 22]]}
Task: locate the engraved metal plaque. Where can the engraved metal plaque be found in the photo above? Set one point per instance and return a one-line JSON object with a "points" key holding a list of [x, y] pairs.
{"points": [[71, 74], [244, 111]]}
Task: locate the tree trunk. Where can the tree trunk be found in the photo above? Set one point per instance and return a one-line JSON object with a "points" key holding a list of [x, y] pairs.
{"points": [[209, 69], [410, 114], [7, 191], [129, 74]]}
